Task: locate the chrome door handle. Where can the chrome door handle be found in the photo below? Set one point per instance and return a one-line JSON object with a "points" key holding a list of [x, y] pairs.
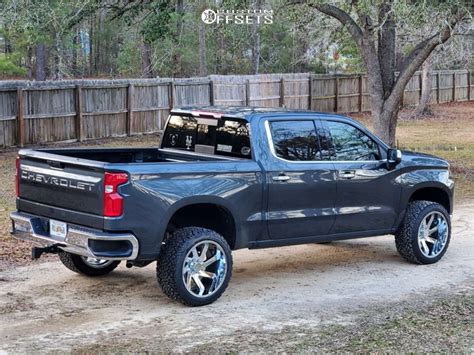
{"points": [[347, 174], [281, 178]]}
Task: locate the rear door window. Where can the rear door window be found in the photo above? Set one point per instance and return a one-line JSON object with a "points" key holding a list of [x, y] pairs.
{"points": [[295, 140], [228, 137]]}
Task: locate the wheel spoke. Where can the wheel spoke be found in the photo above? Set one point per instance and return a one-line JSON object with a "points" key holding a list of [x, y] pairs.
{"points": [[189, 281], [207, 274], [210, 261], [430, 240], [199, 284], [430, 221], [204, 252], [424, 246]]}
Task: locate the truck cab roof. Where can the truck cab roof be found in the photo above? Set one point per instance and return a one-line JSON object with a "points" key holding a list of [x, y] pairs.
{"points": [[250, 113]]}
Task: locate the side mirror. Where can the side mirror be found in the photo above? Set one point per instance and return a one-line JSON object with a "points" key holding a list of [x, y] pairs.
{"points": [[394, 156]]}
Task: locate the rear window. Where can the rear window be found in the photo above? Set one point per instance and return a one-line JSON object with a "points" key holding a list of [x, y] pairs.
{"points": [[228, 137]]}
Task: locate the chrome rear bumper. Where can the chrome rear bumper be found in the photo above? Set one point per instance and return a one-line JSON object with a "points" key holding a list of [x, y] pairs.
{"points": [[79, 240]]}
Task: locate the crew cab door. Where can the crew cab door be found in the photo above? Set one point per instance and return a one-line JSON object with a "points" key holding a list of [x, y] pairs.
{"points": [[301, 186], [367, 193]]}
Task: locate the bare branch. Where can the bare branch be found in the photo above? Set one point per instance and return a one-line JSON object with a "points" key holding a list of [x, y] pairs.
{"points": [[419, 54], [340, 15]]}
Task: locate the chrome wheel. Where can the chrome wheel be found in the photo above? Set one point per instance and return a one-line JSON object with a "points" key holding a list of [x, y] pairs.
{"points": [[96, 263], [433, 234], [204, 268]]}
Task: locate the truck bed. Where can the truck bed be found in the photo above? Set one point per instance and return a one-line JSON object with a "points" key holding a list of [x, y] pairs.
{"points": [[122, 155], [69, 183]]}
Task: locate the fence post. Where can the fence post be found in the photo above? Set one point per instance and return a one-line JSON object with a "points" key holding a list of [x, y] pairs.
{"points": [[171, 94], [79, 117], [420, 84], [282, 92], [360, 93], [211, 92], [468, 85], [336, 97], [247, 92], [20, 118], [454, 86], [438, 83], [310, 92], [129, 119]]}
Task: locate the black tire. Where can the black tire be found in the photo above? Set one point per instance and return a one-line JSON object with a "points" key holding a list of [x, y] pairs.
{"points": [[169, 268], [406, 238], [77, 264]]}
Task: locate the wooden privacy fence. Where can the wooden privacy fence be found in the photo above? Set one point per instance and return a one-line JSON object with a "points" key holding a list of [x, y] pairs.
{"points": [[42, 112]]}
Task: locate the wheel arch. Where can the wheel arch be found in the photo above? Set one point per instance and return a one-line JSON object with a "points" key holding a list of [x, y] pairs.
{"points": [[439, 194], [206, 212], [425, 191]]}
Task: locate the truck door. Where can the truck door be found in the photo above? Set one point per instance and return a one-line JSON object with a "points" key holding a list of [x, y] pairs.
{"points": [[367, 193], [301, 186]]}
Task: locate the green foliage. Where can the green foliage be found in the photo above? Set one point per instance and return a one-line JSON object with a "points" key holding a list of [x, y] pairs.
{"points": [[105, 38], [128, 60], [9, 69]]}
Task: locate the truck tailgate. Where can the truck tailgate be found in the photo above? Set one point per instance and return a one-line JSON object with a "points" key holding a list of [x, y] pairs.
{"points": [[68, 185]]}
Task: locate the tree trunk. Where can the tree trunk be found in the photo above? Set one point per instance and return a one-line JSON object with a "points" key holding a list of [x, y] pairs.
{"points": [[92, 48], [75, 55], [177, 60], [57, 64], [147, 66], [426, 86], [257, 5], [385, 123], [202, 49], [29, 61], [40, 63], [7, 43]]}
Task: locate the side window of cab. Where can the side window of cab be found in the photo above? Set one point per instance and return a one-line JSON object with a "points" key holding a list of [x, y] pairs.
{"points": [[348, 143], [295, 140]]}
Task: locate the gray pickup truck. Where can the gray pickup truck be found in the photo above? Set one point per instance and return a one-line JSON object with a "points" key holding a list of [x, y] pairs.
{"points": [[225, 179]]}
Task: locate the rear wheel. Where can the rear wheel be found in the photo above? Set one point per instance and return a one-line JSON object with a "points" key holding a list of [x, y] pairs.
{"points": [[424, 235], [87, 265], [195, 266]]}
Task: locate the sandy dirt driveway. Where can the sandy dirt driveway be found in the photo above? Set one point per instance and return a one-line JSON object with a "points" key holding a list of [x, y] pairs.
{"points": [[46, 307]]}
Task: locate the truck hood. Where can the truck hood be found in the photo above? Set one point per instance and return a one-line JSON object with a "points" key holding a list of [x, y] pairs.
{"points": [[422, 159]]}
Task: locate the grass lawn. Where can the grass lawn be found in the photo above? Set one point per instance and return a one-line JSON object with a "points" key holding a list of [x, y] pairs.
{"points": [[449, 133]]}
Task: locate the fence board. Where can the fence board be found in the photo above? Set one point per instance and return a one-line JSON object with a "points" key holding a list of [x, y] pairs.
{"points": [[53, 111], [104, 111], [151, 105], [8, 107]]}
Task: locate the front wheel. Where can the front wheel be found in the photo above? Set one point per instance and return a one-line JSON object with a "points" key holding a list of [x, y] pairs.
{"points": [[424, 235], [195, 266], [86, 265]]}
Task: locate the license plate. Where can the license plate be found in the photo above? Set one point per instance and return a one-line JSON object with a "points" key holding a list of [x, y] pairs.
{"points": [[57, 229]]}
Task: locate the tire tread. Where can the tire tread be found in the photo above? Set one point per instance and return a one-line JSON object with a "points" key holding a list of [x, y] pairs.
{"points": [[173, 250], [408, 231], [75, 263]]}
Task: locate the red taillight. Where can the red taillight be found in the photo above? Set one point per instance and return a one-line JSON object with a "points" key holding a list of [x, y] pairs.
{"points": [[113, 202], [17, 177]]}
